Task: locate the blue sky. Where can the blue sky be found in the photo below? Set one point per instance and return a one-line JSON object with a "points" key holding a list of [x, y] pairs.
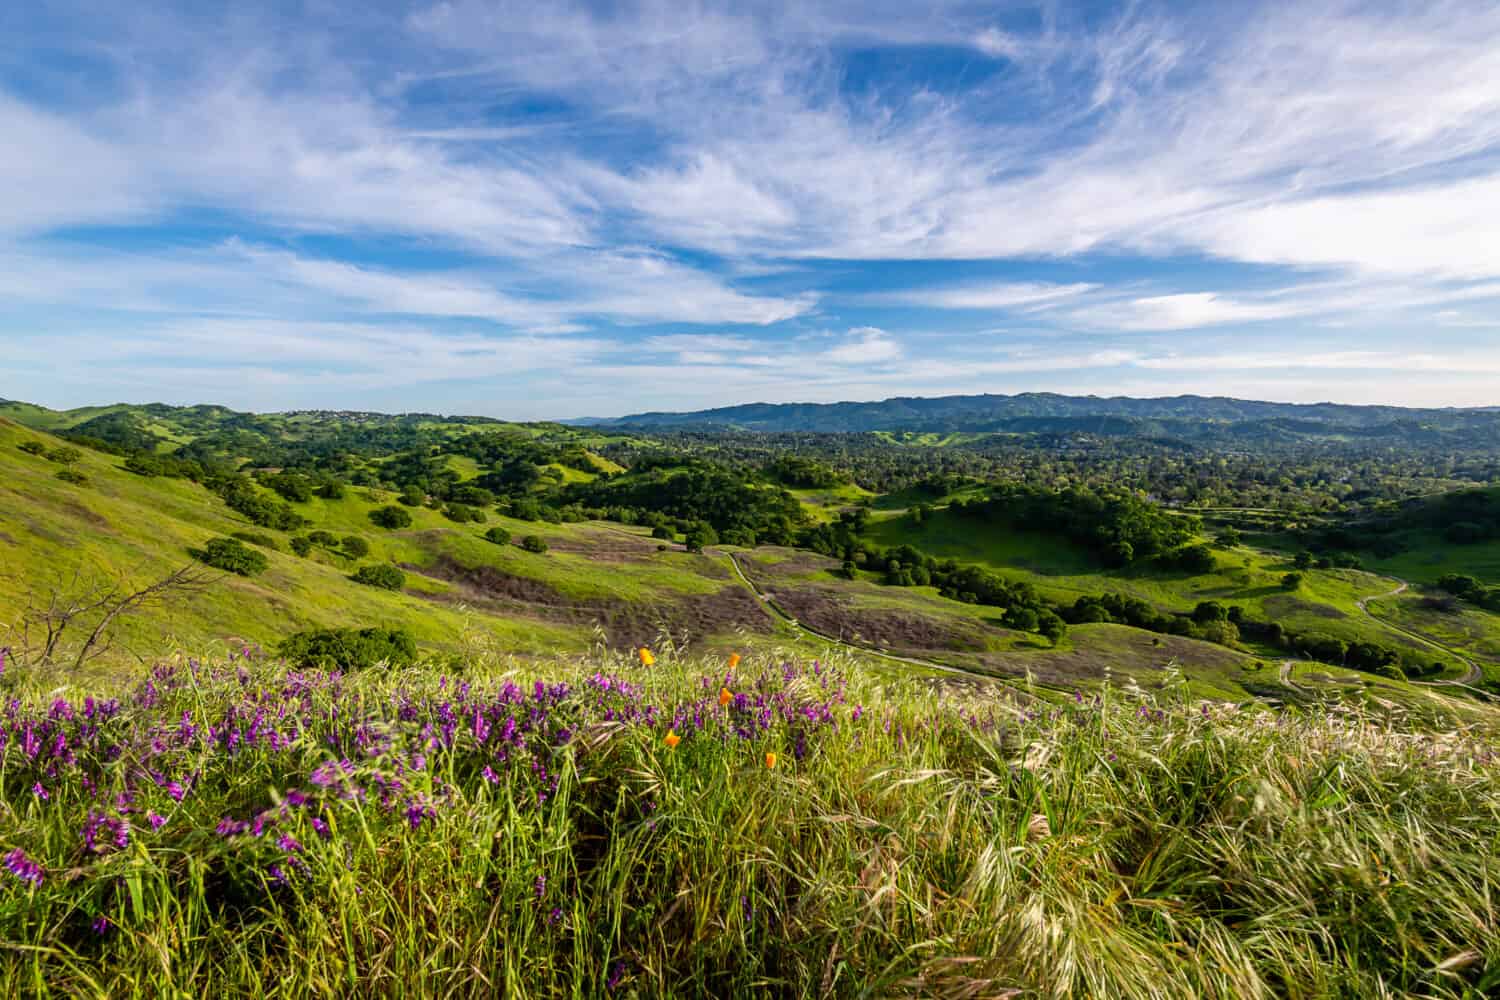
{"points": [[543, 210]]}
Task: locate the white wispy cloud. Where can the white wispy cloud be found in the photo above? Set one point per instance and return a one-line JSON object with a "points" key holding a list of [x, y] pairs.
{"points": [[988, 296], [721, 166], [866, 345]]}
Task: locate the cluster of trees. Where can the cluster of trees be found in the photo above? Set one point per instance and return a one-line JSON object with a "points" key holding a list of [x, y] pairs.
{"points": [[1279, 474], [349, 546], [1122, 528], [462, 513], [242, 496], [232, 556], [1212, 621], [531, 543], [905, 566], [1209, 621], [390, 517], [1370, 657], [1465, 517], [383, 576], [696, 497], [1467, 588], [802, 472], [1460, 517], [62, 455], [350, 649]]}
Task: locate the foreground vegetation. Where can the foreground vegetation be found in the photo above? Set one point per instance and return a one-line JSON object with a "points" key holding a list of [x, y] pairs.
{"points": [[662, 825]]}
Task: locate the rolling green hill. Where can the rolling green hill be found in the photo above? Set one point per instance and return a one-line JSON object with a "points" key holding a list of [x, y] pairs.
{"points": [[120, 526], [70, 523]]}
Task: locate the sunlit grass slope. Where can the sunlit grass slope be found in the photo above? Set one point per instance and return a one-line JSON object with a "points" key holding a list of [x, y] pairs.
{"points": [[1327, 600], [120, 525]]}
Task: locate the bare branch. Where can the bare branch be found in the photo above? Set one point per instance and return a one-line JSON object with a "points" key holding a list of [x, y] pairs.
{"points": [[86, 603]]}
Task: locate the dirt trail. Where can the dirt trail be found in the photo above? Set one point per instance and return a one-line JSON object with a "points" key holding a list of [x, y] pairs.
{"points": [[1472, 676]]}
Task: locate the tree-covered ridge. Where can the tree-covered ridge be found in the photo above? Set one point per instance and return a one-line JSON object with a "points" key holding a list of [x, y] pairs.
{"points": [[739, 512], [1030, 412], [1120, 528]]}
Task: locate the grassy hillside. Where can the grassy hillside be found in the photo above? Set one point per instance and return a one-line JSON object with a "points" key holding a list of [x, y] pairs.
{"points": [[592, 827], [1326, 602], [612, 583], [123, 526]]}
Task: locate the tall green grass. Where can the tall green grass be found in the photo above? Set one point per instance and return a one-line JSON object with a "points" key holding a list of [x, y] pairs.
{"points": [[911, 839]]}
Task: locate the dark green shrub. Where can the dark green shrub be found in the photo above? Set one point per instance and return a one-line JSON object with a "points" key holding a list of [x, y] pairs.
{"points": [[463, 513], [1191, 559], [382, 575], [291, 486], [331, 490], [1459, 584], [350, 649], [533, 543], [391, 517], [498, 535], [301, 544], [327, 539], [245, 498], [355, 547], [143, 465], [232, 556], [64, 455], [70, 476], [473, 496], [33, 447]]}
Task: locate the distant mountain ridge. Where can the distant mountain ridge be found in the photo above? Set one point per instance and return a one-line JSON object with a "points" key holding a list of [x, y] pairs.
{"points": [[1041, 411]]}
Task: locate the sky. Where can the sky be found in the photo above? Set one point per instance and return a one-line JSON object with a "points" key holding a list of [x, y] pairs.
{"points": [[553, 210]]}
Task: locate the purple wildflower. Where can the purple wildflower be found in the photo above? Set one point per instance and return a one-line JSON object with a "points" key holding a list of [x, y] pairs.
{"points": [[102, 925], [231, 827], [156, 820], [24, 868], [616, 976], [40, 792], [101, 833]]}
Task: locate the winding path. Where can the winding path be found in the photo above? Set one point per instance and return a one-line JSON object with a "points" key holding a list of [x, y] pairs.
{"points": [[1286, 673], [1473, 675]]}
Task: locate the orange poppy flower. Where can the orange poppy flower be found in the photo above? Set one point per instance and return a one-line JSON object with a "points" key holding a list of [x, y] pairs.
{"points": [[725, 697], [770, 761], [646, 658], [734, 660], [672, 740]]}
